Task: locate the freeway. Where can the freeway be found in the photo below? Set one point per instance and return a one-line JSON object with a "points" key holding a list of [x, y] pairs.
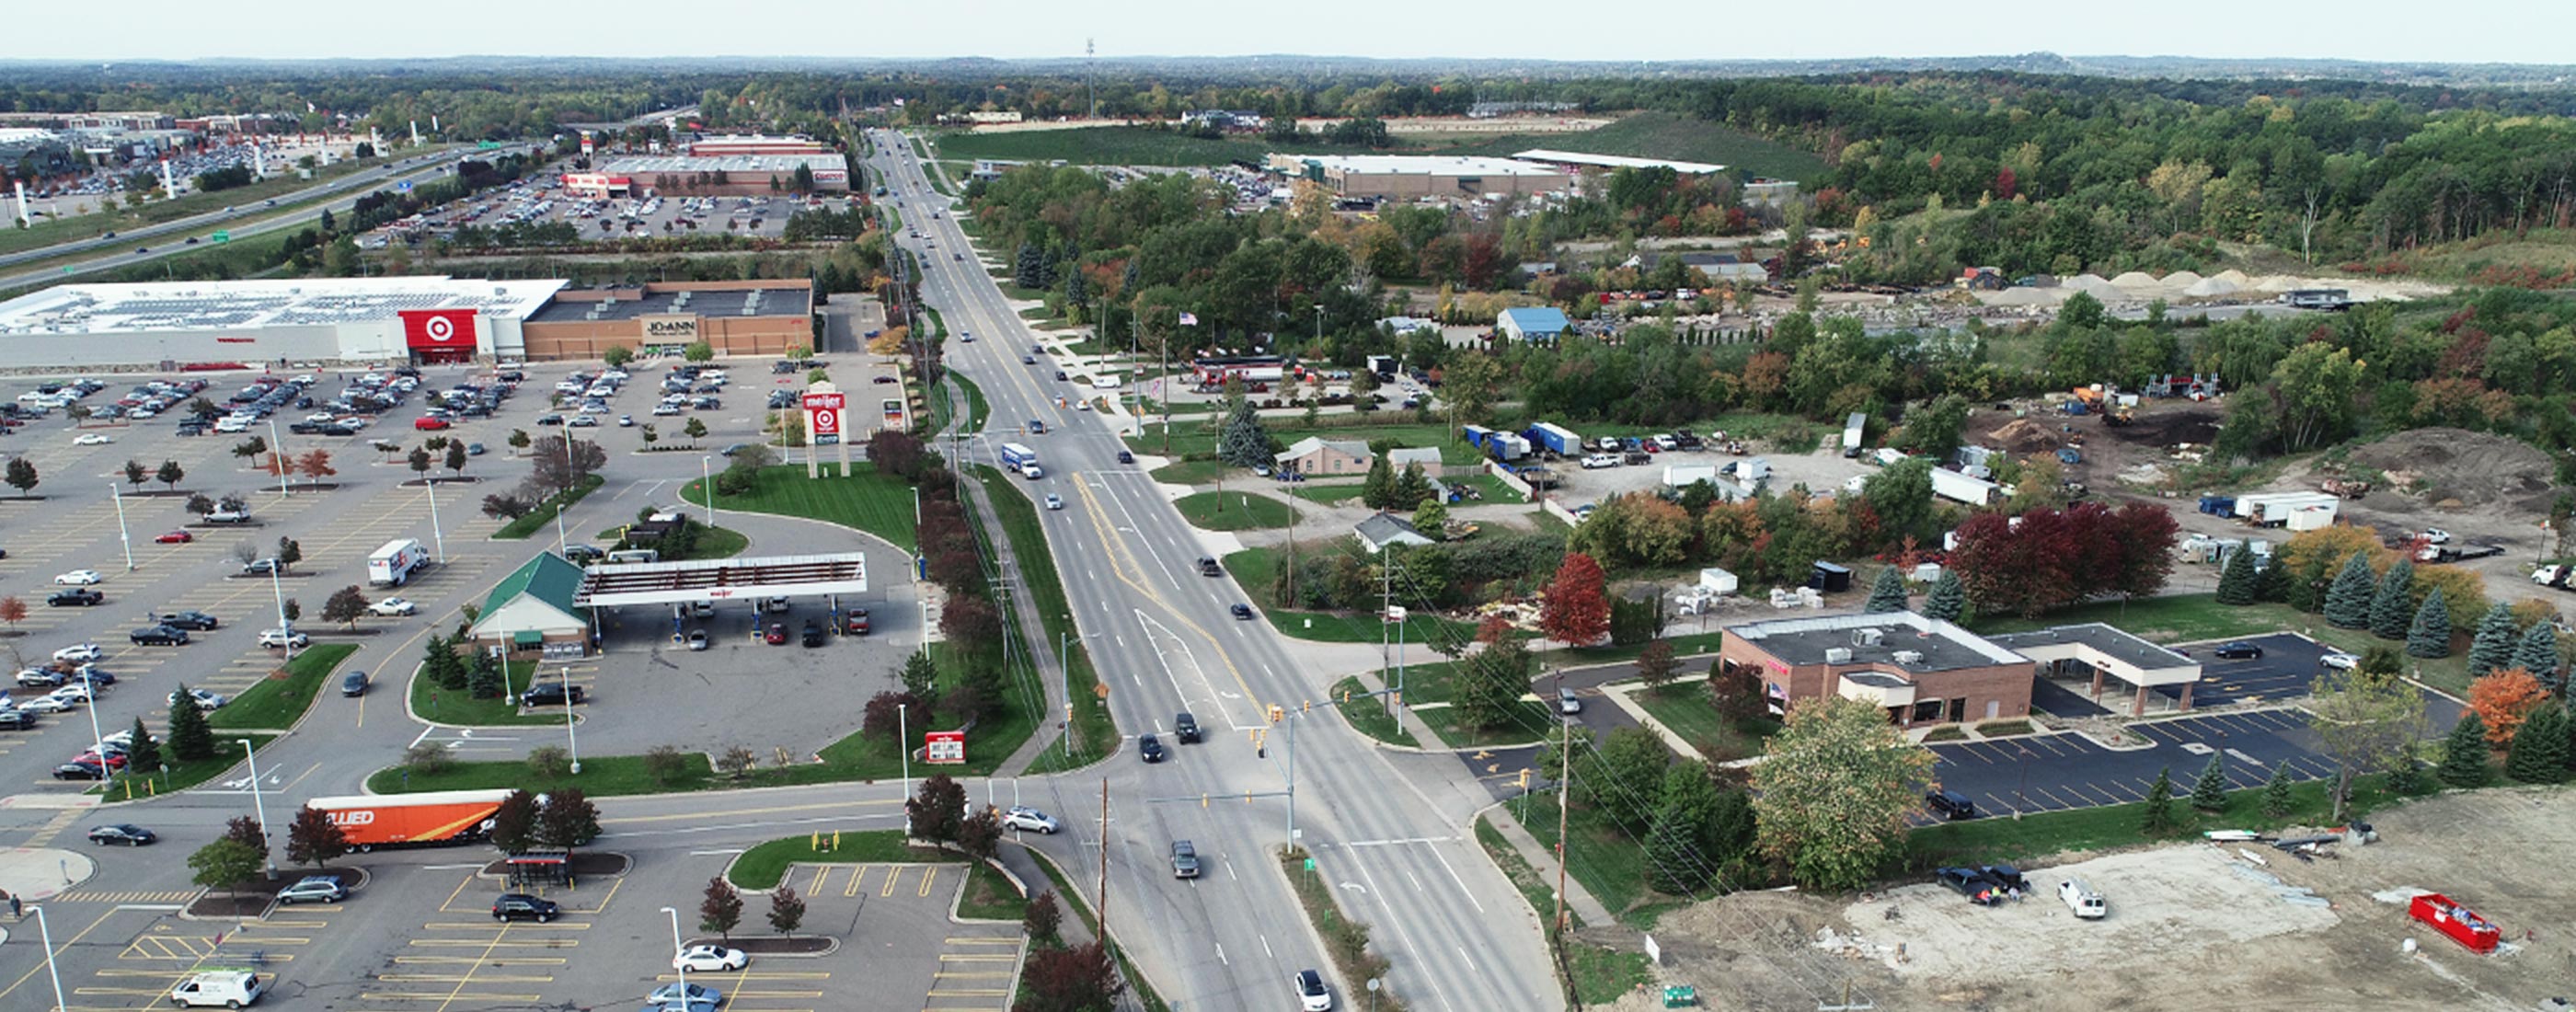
{"points": [[1389, 835], [119, 251]]}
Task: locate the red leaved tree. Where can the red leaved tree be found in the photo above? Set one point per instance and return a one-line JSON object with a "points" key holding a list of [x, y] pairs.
{"points": [[2503, 700], [1577, 612]]}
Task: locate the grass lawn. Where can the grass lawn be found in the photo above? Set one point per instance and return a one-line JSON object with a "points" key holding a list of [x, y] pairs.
{"points": [[179, 776], [279, 700], [2187, 618], [1184, 472], [714, 543], [879, 504], [1693, 651], [1536, 887], [543, 516], [1609, 863], [1689, 711], [1604, 975], [447, 706], [1095, 735], [1368, 714], [1200, 434], [989, 896], [761, 868], [1234, 511], [1495, 491], [1998, 840], [1253, 567], [1327, 493], [600, 777], [1525, 727]]}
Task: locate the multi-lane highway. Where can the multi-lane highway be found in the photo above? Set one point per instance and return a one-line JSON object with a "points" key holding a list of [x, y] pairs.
{"points": [[1389, 836]]}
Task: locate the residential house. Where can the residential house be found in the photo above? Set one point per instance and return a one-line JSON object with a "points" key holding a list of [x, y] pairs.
{"points": [[1317, 456], [1383, 529]]}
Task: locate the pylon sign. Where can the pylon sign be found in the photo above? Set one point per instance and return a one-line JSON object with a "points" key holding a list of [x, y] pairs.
{"points": [[826, 424]]}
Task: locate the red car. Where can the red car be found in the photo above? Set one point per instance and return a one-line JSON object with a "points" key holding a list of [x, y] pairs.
{"points": [[175, 538], [115, 760], [777, 634], [426, 424]]}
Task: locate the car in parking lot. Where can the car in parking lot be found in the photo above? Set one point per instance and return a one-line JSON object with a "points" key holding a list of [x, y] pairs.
{"points": [[1567, 702], [192, 620], [1312, 995], [174, 538], [706, 958], [697, 639], [79, 578], [523, 907], [1185, 860], [1150, 748], [79, 652], [2339, 661], [695, 997], [15, 719], [125, 833], [205, 700], [392, 606], [276, 638], [263, 567], [776, 635], [48, 704], [551, 694], [1950, 805], [812, 635], [2237, 650], [1026, 819], [159, 636], [74, 597], [314, 889], [80, 771], [428, 423]]}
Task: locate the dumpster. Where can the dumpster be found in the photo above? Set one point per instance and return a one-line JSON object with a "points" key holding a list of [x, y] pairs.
{"points": [[1680, 996], [2461, 923]]}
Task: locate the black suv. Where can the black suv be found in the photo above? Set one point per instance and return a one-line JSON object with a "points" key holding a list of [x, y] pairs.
{"points": [[1950, 805], [813, 636], [74, 597], [1150, 748], [523, 907], [190, 620], [1185, 728], [159, 635], [550, 694]]}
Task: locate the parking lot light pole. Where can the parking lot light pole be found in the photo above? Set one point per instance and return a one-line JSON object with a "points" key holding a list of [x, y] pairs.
{"points": [[45, 932], [122, 535], [279, 591], [89, 702], [707, 484], [676, 948], [258, 804], [277, 456], [437, 535], [568, 721]]}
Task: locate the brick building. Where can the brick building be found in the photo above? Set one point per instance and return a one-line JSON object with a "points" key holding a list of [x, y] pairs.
{"points": [[1919, 670], [760, 317]]}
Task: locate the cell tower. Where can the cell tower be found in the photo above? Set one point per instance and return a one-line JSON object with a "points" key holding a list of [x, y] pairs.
{"points": [[1089, 54]]}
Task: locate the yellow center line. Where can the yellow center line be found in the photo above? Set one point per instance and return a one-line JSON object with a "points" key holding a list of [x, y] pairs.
{"points": [[1120, 563]]}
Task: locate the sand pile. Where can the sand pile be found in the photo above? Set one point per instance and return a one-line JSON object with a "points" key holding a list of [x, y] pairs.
{"points": [[2021, 435], [2474, 468], [2214, 287], [2134, 281]]}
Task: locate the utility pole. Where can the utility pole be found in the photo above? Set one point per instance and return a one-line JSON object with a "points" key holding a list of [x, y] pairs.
{"points": [[1564, 775], [1100, 899]]}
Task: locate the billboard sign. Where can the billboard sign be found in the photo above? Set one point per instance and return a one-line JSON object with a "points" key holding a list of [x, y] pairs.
{"points": [[438, 328], [823, 414], [943, 748]]}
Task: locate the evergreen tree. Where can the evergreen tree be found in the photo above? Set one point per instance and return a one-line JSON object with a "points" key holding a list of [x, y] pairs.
{"points": [[2464, 753], [2159, 816], [191, 738], [2209, 794], [1411, 487], [1676, 842], [2492, 647], [2537, 653], [1378, 491], [2236, 580], [2272, 583], [2538, 754], [1244, 442], [1888, 594], [2348, 599], [2391, 607], [143, 754], [2431, 636], [1077, 290], [486, 680], [1948, 599], [2276, 793]]}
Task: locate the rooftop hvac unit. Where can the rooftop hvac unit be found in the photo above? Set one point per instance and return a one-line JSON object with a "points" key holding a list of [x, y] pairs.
{"points": [[1838, 655], [1909, 657], [1867, 637], [499, 291]]}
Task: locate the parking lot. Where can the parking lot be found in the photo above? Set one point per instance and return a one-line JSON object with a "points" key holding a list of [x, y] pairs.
{"points": [[2049, 772], [542, 200]]}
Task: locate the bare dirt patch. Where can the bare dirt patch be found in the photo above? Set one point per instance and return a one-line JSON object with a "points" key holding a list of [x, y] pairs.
{"points": [[2185, 932], [2456, 468]]}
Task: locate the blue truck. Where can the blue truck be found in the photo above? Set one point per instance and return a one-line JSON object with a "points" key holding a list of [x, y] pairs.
{"points": [[1556, 438], [1501, 446]]}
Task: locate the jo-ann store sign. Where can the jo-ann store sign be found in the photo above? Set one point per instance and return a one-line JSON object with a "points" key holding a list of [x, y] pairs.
{"points": [[682, 328]]}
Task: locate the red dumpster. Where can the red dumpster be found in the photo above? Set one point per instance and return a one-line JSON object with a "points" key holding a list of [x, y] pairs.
{"points": [[2461, 923]]}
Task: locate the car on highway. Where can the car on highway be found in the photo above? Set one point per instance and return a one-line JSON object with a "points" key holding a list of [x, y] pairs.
{"points": [[2238, 650], [1312, 995], [1241, 611], [1150, 748], [79, 578], [1126, 457], [196, 620], [125, 833], [74, 597], [1054, 502], [314, 889], [1185, 860], [392, 606], [354, 684], [523, 907], [1185, 728], [158, 636], [278, 638], [707, 958], [174, 538], [1026, 819]]}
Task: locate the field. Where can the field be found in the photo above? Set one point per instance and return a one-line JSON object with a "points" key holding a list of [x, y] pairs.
{"points": [[1234, 511], [876, 503], [1644, 135]]}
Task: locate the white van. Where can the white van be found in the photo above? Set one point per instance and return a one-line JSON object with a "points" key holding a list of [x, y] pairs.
{"points": [[635, 555], [226, 988], [2081, 898]]}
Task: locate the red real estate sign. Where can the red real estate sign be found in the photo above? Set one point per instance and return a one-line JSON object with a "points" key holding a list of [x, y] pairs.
{"points": [[825, 409], [438, 328]]}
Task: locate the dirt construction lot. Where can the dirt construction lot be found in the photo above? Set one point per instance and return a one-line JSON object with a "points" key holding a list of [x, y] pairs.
{"points": [[2185, 931]]}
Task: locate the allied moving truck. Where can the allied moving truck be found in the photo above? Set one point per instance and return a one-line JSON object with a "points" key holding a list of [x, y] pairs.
{"points": [[370, 821]]}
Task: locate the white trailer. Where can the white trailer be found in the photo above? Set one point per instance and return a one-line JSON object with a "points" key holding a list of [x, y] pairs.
{"points": [[393, 564], [1683, 475], [2274, 510], [1952, 485], [2309, 518], [1852, 429]]}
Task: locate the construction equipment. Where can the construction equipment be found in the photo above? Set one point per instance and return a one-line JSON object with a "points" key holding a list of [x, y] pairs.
{"points": [[2119, 415]]}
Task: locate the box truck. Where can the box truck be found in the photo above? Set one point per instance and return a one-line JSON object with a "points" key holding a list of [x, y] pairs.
{"points": [[1952, 485], [370, 821], [392, 565], [1022, 459]]}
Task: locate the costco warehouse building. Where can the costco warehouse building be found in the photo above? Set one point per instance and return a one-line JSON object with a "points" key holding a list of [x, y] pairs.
{"points": [[167, 326]]}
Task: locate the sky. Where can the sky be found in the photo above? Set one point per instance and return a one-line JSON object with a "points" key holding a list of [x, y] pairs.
{"points": [[2461, 31]]}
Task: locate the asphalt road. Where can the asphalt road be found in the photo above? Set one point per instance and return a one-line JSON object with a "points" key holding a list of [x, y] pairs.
{"points": [[1392, 845], [168, 237]]}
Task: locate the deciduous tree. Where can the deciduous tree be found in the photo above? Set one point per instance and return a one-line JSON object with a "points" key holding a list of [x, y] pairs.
{"points": [[1492, 680], [1656, 666], [2503, 700], [314, 839], [1833, 797], [224, 864], [937, 810], [720, 911], [315, 465], [567, 820], [345, 605], [1577, 610], [170, 474], [1078, 979], [786, 910], [2369, 720]]}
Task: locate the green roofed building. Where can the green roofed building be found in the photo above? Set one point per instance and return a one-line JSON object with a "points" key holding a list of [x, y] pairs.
{"points": [[532, 612]]}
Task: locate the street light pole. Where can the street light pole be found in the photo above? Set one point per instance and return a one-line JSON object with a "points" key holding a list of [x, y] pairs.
{"points": [[568, 721], [676, 949], [259, 805], [122, 535], [707, 484], [437, 535], [277, 456], [1064, 664], [45, 932], [903, 744]]}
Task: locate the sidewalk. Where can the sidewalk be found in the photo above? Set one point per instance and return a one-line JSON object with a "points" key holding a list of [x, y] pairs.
{"points": [[1042, 655], [1588, 910], [1070, 926]]}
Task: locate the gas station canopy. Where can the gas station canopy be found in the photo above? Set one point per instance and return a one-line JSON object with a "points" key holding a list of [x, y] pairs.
{"points": [[629, 583]]}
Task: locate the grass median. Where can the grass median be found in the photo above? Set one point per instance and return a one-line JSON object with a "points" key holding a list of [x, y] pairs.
{"points": [[989, 896], [880, 504], [544, 515], [1075, 899], [1346, 941], [279, 700], [1094, 734], [179, 775], [763, 867], [1234, 511]]}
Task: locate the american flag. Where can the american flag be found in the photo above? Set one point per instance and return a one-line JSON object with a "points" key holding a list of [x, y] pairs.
{"points": [[1189, 319]]}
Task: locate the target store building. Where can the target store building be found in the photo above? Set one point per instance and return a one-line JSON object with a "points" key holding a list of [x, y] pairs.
{"points": [[421, 320]]}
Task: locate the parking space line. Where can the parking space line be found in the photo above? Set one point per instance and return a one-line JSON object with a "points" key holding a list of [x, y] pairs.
{"points": [[894, 873], [928, 876], [851, 888]]}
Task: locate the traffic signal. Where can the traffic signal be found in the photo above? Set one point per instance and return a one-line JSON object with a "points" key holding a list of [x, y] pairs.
{"points": [[1277, 713]]}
